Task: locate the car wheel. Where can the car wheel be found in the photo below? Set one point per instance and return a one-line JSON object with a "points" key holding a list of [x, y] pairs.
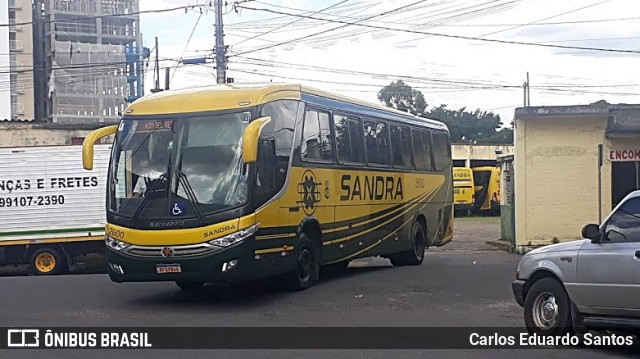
{"points": [[547, 308]]}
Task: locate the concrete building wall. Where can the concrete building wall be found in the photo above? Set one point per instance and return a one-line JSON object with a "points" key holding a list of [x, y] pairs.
{"points": [[467, 152], [24, 61], [20, 134], [556, 177], [5, 87]]}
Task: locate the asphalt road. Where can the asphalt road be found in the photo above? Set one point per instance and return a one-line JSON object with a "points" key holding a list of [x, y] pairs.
{"points": [[459, 286]]}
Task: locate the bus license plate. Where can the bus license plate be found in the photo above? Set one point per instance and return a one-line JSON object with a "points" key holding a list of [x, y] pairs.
{"points": [[168, 268]]}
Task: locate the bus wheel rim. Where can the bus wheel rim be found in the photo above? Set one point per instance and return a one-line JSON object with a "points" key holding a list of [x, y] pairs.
{"points": [[45, 262]]}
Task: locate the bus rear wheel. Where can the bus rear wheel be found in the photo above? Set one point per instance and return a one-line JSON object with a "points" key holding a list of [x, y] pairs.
{"points": [[47, 261], [302, 276], [415, 255]]}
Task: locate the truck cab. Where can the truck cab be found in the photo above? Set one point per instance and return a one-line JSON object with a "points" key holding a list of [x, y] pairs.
{"points": [[592, 283]]}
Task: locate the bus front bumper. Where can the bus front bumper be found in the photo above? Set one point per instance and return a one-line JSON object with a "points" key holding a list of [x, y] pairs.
{"points": [[229, 264]]}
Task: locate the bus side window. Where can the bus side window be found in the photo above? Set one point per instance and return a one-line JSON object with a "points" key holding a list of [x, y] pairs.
{"points": [[274, 149], [317, 143], [401, 146], [421, 149], [376, 139], [441, 150], [349, 139]]}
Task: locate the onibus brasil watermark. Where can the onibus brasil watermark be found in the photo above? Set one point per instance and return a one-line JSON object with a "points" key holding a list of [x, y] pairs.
{"points": [[36, 338]]}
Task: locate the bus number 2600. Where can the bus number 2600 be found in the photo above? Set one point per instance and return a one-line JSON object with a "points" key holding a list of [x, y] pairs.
{"points": [[114, 233]]}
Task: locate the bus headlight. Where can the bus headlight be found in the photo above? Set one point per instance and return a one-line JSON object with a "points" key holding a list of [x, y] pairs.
{"points": [[236, 237], [116, 244]]}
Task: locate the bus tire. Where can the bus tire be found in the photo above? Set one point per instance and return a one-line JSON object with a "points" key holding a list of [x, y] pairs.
{"points": [[190, 286], [47, 261], [415, 255], [302, 276]]}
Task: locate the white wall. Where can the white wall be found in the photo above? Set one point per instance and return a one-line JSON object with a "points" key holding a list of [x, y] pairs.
{"points": [[479, 152], [5, 91]]}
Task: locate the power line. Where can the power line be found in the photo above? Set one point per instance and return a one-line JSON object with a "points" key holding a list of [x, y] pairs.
{"points": [[157, 11], [345, 24], [462, 85], [289, 65], [597, 39], [519, 25], [186, 46], [537, 23], [290, 23], [546, 18], [88, 65], [436, 34], [447, 15]]}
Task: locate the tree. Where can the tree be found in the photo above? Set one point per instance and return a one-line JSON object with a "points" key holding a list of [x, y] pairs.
{"points": [[403, 97], [477, 126]]}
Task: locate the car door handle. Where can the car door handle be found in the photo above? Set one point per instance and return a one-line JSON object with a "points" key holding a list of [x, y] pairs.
{"points": [[638, 254]]}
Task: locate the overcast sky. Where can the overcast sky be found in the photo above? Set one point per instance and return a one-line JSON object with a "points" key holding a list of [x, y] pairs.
{"points": [[357, 61]]}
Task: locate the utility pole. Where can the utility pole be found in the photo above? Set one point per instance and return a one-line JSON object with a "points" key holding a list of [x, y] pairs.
{"points": [[221, 58], [528, 90], [525, 94], [156, 72]]}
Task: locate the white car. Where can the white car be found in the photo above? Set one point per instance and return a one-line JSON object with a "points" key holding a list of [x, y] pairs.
{"points": [[593, 283]]}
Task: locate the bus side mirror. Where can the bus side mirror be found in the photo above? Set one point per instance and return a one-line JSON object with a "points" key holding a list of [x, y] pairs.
{"points": [[90, 140], [250, 139]]}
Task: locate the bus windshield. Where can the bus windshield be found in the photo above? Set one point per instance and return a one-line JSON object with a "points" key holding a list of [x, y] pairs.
{"points": [[178, 167]]}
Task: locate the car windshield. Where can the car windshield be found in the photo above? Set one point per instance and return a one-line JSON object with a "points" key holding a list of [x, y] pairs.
{"points": [[178, 167]]}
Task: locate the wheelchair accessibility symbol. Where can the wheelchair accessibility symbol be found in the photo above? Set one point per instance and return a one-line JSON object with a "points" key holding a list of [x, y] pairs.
{"points": [[177, 209]]}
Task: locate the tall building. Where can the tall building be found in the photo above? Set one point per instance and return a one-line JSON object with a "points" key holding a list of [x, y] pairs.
{"points": [[16, 61], [88, 59]]}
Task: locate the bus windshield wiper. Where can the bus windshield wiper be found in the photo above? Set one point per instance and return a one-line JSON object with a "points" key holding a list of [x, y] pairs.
{"points": [[146, 198], [182, 179]]}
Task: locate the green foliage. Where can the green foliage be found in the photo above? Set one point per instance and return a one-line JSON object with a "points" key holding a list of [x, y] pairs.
{"points": [[476, 126], [402, 97]]}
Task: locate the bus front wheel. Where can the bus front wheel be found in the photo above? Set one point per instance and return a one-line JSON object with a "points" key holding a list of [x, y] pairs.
{"points": [[415, 255], [302, 276]]}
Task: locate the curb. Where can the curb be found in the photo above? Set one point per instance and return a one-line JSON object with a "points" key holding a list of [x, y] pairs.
{"points": [[502, 245]]}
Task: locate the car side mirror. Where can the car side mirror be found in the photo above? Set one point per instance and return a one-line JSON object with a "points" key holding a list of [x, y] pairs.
{"points": [[250, 139], [592, 232]]}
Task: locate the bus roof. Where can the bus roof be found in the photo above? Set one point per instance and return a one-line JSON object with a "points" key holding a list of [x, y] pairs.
{"points": [[486, 168], [198, 99]]}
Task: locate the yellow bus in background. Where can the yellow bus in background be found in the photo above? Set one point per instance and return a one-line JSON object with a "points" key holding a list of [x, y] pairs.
{"points": [[227, 183], [487, 189], [463, 190]]}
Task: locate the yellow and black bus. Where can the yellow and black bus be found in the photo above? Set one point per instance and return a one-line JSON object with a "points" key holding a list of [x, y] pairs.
{"points": [[227, 183], [486, 181], [463, 190]]}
